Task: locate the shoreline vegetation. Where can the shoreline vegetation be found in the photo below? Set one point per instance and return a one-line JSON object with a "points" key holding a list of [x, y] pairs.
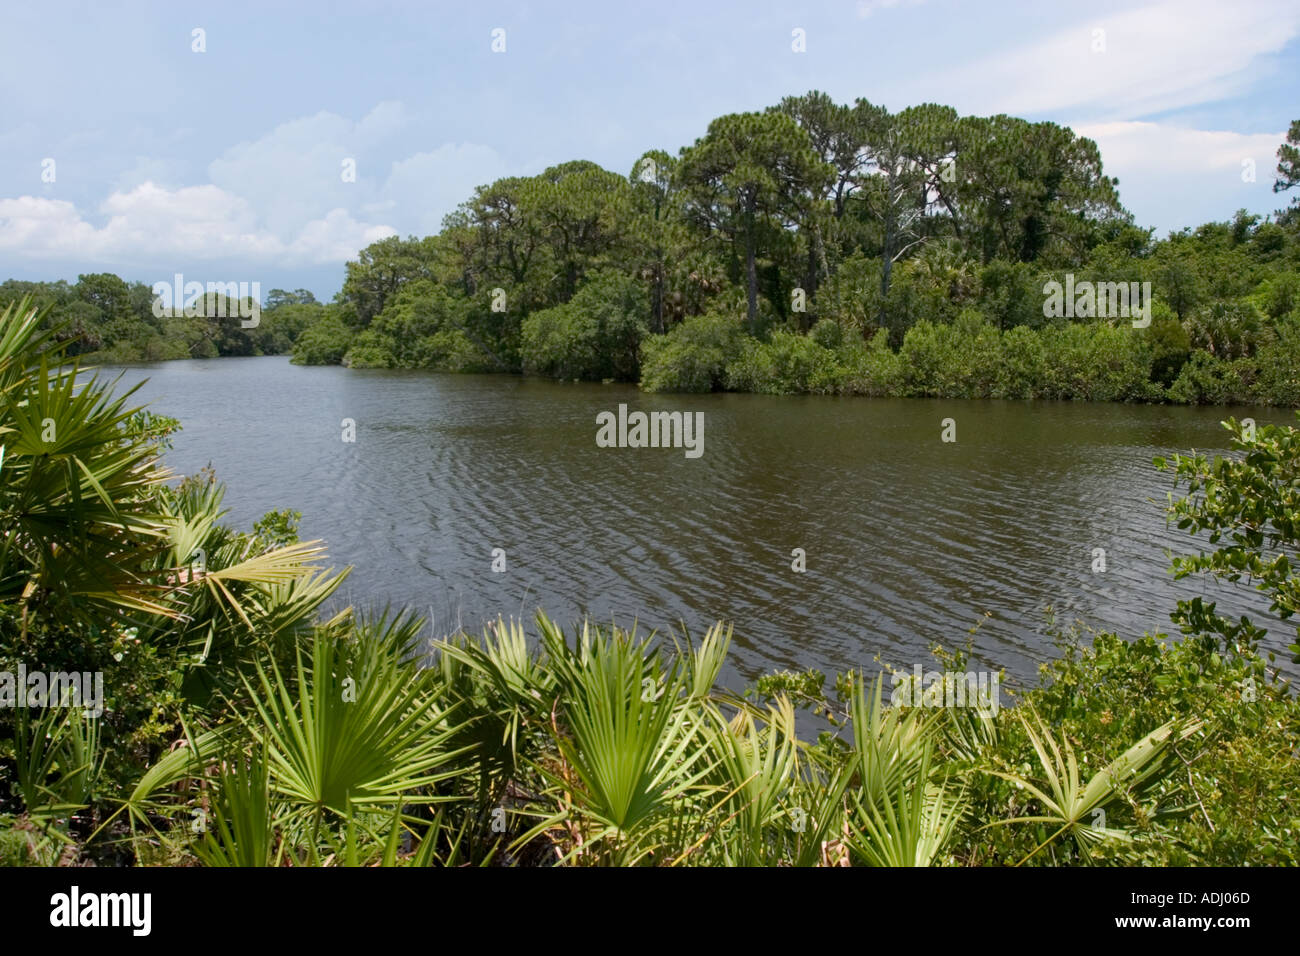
{"points": [[240, 727], [815, 247]]}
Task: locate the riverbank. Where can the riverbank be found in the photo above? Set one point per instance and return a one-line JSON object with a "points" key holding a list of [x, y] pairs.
{"points": [[971, 358], [238, 725], [967, 359], [896, 524]]}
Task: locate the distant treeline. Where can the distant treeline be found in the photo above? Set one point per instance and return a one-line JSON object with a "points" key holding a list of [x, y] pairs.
{"points": [[814, 247], [103, 318]]}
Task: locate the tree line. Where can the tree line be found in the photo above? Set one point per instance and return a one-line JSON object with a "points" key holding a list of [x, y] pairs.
{"points": [[813, 246]]}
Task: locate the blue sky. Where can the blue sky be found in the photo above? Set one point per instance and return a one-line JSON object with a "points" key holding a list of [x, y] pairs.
{"points": [[226, 164]]}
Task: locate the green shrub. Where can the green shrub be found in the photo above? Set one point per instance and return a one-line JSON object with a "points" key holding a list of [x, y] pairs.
{"points": [[1279, 294], [452, 350], [1278, 365], [1170, 345], [370, 349], [1023, 370], [912, 299], [694, 356], [851, 296], [1233, 805], [787, 363], [1206, 380], [280, 327], [958, 360], [596, 335], [980, 345], [871, 368], [1097, 362], [556, 343], [828, 334], [422, 326], [1011, 295], [1227, 330], [323, 343], [927, 360]]}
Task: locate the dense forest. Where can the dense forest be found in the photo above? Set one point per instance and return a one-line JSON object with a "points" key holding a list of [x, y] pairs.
{"points": [[813, 247]]}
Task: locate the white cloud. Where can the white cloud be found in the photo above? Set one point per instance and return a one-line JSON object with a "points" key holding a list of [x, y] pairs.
{"points": [[148, 170], [1159, 148], [277, 200], [192, 223], [1157, 57], [294, 170], [1181, 176], [40, 227], [336, 238], [430, 185], [385, 120]]}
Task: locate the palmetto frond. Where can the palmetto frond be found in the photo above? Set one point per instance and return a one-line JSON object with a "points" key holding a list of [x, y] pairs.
{"points": [[76, 495], [909, 827], [1069, 801], [354, 727], [631, 761]]}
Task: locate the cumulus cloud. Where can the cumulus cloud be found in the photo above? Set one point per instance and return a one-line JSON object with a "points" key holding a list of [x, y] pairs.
{"points": [[296, 168], [42, 227], [335, 238], [149, 170], [430, 185], [279, 199], [191, 223]]}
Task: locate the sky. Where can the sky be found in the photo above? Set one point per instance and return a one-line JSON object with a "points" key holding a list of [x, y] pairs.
{"points": [[126, 148]]}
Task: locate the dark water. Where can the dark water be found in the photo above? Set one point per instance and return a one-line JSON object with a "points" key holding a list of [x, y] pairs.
{"points": [[910, 541]]}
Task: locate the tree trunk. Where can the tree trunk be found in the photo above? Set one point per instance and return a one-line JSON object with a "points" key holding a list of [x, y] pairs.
{"points": [[751, 271], [810, 281], [657, 296], [886, 266]]}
